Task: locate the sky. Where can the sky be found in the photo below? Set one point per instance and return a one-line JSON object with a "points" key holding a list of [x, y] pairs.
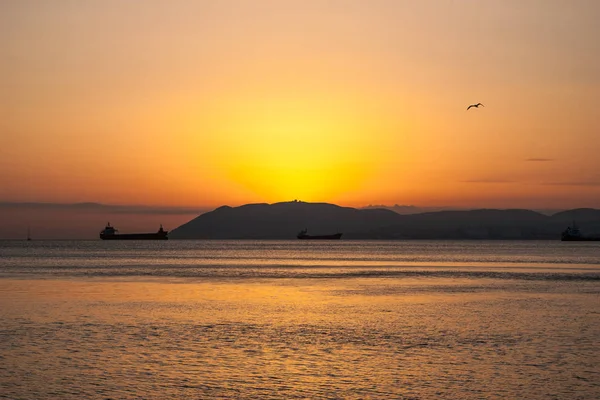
{"points": [[196, 104]]}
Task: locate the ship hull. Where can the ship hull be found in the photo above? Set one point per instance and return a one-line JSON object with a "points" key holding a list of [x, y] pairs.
{"points": [[579, 239], [321, 237], [135, 236]]}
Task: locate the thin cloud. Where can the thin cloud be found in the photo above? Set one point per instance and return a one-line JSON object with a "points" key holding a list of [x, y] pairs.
{"points": [[98, 207], [539, 159], [576, 183], [487, 181]]}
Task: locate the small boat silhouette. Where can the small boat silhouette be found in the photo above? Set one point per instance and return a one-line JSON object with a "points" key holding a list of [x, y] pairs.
{"points": [[303, 235], [573, 234]]}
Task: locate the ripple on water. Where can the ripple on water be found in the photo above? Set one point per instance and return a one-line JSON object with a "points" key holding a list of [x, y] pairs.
{"points": [[363, 348]]}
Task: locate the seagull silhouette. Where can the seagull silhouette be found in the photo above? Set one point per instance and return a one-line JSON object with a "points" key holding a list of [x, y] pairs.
{"points": [[475, 105]]}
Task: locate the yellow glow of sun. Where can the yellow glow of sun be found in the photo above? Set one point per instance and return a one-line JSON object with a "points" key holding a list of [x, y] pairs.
{"points": [[293, 149]]}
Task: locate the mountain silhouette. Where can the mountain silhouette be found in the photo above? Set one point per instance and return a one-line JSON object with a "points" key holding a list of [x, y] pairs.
{"points": [[578, 214], [284, 220], [473, 224]]}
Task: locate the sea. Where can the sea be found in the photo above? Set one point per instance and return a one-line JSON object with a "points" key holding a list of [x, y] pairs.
{"points": [[299, 320]]}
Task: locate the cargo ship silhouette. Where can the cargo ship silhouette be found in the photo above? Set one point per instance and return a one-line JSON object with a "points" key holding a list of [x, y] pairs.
{"points": [[110, 233]]}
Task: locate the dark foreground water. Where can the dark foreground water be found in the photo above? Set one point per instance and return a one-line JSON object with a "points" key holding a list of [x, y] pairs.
{"points": [[277, 319]]}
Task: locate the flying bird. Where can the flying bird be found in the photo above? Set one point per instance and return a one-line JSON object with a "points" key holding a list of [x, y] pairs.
{"points": [[475, 105]]}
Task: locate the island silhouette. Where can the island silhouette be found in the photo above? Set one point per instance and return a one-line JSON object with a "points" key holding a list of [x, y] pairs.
{"points": [[284, 220]]}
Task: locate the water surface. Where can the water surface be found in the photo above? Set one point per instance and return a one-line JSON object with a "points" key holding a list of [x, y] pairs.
{"points": [[279, 319]]}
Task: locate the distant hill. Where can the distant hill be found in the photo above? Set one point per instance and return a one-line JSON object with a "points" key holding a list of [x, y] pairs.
{"points": [[284, 220], [473, 224], [588, 219], [410, 209], [578, 214]]}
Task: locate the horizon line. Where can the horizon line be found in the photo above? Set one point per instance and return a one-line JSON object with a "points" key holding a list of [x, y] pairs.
{"points": [[183, 210]]}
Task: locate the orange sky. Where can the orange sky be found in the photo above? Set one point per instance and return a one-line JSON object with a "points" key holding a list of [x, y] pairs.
{"points": [[204, 103]]}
